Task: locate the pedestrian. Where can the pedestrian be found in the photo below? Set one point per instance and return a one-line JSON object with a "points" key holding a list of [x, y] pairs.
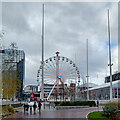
{"points": [[27, 107], [24, 107], [34, 106], [98, 104], [30, 105], [39, 105]]}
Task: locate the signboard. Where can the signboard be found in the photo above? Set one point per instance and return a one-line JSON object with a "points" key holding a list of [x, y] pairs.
{"points": [[32, 95]]}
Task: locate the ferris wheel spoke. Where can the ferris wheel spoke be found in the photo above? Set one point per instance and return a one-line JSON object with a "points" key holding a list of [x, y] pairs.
{"points": [[49, 66], [71, 67], [48, 69], [68, 72], [53, 65], [61, 63], [50, 63], [65, 65], [50, 75], [65, 69]]}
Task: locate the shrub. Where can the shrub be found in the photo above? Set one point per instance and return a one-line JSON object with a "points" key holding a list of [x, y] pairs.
{"points": [[10, 109], [110, 111], [4, 109], [77, 103], [113, 103], [57, 103], [67, 103]]}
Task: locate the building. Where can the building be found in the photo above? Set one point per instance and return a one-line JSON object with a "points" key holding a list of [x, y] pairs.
{"points": [[102, 92], [115, 77], [81, 90], [31, 93], [49, 89], [13, 67]]}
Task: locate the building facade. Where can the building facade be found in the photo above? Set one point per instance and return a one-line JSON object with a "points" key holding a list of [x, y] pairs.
{"points": [[13, 68]]}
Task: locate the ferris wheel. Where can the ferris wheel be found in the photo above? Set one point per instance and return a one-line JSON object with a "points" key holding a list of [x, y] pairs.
{"points": [[58, 70]]}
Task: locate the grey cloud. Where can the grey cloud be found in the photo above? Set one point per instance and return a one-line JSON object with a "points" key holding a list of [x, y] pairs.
{"points": [[67, 26]]}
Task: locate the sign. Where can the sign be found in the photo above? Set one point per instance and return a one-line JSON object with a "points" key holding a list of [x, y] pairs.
{"points": [[59, 76], [32, 95]]}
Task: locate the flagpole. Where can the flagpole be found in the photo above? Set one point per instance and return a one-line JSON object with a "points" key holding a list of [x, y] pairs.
{"points": [[42, 88], [87, 74], [110, 58]]}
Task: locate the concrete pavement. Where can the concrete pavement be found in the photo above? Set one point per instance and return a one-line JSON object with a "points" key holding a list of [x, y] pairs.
{"points": [[53, 113]]}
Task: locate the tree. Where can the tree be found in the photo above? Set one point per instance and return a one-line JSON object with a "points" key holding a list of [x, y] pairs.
{"points": [[11, 83], [10, 75]]}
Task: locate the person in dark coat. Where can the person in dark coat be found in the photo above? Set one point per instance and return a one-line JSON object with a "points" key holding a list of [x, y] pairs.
{"points": [[26, 107], [39, 105], [97, 103], [34, 106]]}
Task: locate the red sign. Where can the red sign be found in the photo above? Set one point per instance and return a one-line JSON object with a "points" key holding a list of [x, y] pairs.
{"points": [[93, 93], [32, 95]]}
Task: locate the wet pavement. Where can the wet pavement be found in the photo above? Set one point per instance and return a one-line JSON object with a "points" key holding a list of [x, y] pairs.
{"points": [[51, 112]]}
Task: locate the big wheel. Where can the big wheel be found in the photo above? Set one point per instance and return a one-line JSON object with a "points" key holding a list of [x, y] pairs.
{"points": [[59, 70]]}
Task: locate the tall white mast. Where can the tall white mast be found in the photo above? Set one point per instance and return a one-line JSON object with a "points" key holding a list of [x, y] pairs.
{"points": [[42, 88], [110, 59], [87, 74]]}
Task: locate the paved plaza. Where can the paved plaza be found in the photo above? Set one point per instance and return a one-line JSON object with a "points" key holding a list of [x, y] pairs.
{"points": [[53, 113]]}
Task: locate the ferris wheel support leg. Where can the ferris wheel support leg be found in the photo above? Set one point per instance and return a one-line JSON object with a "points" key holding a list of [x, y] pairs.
{"points": [[51, 91], [57, 87]]}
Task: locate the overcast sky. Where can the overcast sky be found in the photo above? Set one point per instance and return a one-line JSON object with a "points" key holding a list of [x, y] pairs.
{"points": [[67, 26]]}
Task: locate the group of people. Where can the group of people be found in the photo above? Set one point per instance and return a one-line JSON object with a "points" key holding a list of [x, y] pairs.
{"points": [[34, 106]]}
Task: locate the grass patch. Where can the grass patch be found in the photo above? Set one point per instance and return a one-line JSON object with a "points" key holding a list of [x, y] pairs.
{"points": [[97, 116]]}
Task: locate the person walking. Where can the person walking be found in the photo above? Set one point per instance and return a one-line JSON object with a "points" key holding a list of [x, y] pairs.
{"points": [[30, 105], [39, 105], [26, 107], [98, 104], [34, 106]]}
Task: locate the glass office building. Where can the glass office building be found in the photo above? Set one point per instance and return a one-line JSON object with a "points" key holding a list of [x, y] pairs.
{"points": [[13, 59]]}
